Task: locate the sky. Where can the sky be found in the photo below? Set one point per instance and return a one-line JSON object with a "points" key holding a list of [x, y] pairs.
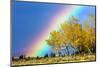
{"points": [[32, 23]]}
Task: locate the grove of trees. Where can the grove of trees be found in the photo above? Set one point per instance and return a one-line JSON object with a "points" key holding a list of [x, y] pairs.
{"points": [[80, 35]]}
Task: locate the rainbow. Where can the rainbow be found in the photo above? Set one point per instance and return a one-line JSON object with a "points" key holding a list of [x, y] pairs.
{"points": [[41, 47]]}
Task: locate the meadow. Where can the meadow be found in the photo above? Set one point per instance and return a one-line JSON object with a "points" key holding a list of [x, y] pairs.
{"points": [[53, 60]]}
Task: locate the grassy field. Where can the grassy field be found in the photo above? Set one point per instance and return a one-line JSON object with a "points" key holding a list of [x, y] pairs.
{"points": [[53, 60]]}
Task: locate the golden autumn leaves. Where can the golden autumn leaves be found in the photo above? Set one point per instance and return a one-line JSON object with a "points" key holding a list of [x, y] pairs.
{"points": [[74, 33]]}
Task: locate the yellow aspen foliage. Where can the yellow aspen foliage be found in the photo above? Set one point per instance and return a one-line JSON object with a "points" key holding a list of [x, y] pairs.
{"points": [[73, 33]]}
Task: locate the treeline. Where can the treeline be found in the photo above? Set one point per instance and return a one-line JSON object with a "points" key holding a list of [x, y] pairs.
{"points": [[23, 57]]}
